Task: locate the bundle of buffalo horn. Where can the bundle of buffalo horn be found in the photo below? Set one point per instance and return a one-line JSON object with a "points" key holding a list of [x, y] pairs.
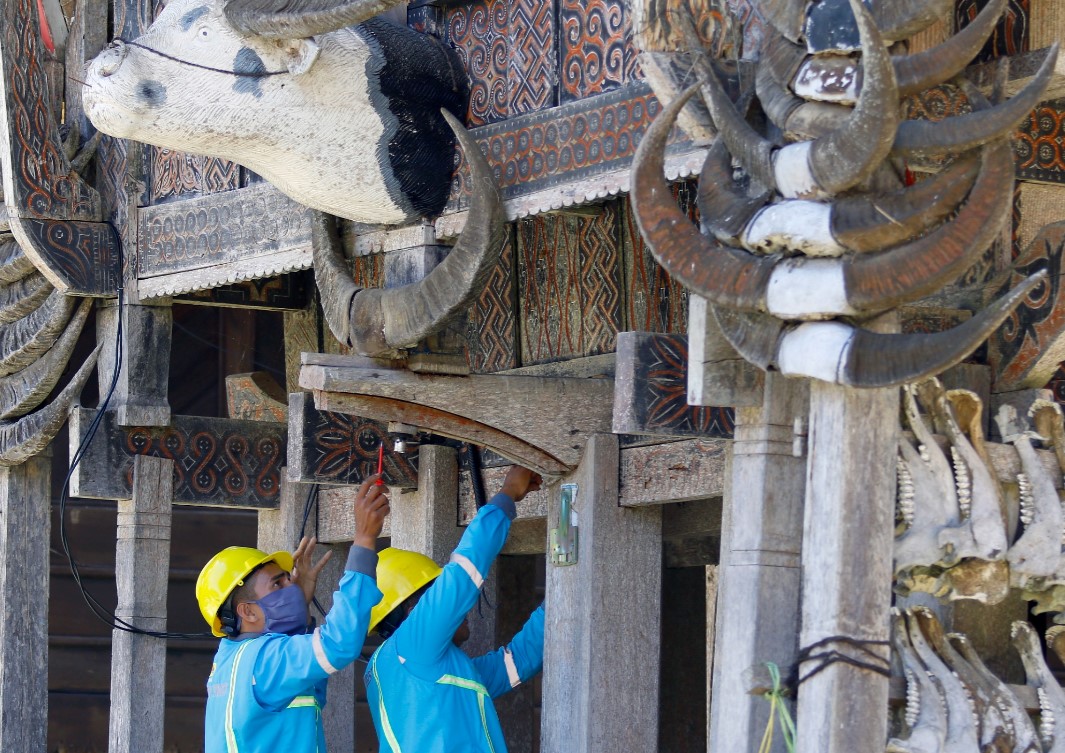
{"points": [[810, 227], [955, 704]]}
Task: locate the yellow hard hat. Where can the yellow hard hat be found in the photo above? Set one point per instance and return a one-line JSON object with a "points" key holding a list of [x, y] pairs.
{"points": [[399, 574], [227, 570]]}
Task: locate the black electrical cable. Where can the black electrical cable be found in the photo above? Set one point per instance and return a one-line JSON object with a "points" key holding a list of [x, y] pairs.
{"points": [[101, 612], [312, 499]]}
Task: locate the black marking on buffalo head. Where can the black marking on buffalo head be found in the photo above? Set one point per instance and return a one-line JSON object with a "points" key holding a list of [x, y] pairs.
{"points": [[248, 61], [152, 93], [192, 16], [830, 25]]}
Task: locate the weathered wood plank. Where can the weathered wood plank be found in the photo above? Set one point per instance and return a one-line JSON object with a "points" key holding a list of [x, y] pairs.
{"points": [[301, 336], [222, 238], [601, 638], [650, 385], [759, 572], [673, 472], [1022, 70], [716, 373], [426, 521], [142, 560], [336, 515], [1046, 23], [256, 397], [286, 292], [539, 422], [218, 461], [846, 563], [331, 447], [25, 523]]}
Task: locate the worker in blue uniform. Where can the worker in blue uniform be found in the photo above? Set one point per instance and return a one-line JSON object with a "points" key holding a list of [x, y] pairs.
{"points": [[267, 686], [425, 694]]}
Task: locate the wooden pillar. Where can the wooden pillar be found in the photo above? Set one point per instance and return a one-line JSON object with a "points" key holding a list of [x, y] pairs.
{"points": [[142, 559], [758, 578], [603, 612], [847, 547], [25, 504], [426, 520]]}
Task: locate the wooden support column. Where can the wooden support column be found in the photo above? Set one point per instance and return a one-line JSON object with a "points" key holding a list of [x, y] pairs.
{"points": [[603, 613], [426, 521], [759, 574], [25, 503], [142, 558], [847, 546]]}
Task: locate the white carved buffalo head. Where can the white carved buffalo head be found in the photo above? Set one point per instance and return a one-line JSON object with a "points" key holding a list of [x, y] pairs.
{"points": [[345, 119]]}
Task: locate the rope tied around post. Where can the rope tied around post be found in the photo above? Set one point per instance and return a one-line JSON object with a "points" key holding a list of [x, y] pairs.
{"points": [[825, 659]]}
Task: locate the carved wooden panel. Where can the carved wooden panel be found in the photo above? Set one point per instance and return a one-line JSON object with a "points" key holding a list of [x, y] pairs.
{"points": [[531, 80], [569, 285], [1040, 144], [176, 174], [753, 24], [1010, 36], [595, 47], [490, 321], [338, 448], [566, 144], [654, 301], [1026, 350], [651, 390], [217, 461]]}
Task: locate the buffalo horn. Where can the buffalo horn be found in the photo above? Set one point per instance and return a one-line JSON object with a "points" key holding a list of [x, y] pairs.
{"points": [[378, 321], [901, 19], [22, 439], [24, 390], [850, 154], [295, 19], [923, 70], [786, 16], [724, 209], [842, 354], [795, 116], [726, 276], [962, 132], [754, 152]]}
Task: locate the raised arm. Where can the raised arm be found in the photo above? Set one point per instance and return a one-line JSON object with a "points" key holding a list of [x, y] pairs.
{"points": [[287, 666], [520, 660], [426, 633]]}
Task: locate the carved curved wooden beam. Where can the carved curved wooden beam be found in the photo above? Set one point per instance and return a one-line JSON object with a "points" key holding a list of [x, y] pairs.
{"points": [[53, 213], [24, 341]]}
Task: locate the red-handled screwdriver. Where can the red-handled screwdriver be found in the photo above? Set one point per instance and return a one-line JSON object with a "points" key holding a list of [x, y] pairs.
{"points": [[380, 462]]}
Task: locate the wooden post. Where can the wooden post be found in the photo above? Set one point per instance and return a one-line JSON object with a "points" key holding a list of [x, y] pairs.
{"points": [[426, 521], [142, 558], [847, 546], [25, 506], [759, 573], [603, 613]]}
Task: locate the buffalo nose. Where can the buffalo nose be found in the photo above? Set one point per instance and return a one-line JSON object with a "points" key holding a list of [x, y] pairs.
{"points": [[108, 61]]}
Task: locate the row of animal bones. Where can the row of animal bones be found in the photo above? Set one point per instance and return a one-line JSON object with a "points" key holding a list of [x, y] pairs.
{"points": [[958, 540], [955, 704]]}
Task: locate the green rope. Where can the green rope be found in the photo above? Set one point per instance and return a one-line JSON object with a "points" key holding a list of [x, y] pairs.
{"points": [[777, 708]]}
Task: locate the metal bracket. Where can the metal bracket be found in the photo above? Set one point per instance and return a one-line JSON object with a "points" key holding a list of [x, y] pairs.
{"points": [[563, 544]]}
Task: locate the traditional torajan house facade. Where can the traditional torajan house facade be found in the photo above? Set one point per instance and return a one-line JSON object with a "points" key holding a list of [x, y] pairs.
{"points": [[733, 428]]}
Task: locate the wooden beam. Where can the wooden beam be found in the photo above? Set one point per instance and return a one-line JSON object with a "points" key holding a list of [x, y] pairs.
{"points": [[25, 522], [256, 397], [1046, 23], [1022, 69], [759, 572], [220, 239], [218, 461], [1028, 351], [717, 375], [650, 386], [140, 397], [601, 637], [539, 422], [426, 520], [335, 447], [848, 538], [142, 561]]}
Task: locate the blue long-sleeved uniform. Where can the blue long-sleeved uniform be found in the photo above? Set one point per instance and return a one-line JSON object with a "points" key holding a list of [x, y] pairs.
{"points": [[266, 691], [425, 694]]}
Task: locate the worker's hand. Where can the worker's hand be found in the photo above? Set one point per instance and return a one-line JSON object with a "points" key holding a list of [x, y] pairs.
{"points": [[371, 508], [519, 482], [304, 573]]}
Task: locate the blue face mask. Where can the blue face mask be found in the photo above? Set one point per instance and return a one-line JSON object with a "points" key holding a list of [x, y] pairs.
{"points": [[285, 611]]}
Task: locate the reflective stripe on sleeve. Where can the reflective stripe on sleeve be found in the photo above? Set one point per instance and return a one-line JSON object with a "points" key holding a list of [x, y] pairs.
{"points": [[319, 652], [512, 668], [463, 682], [469, 568], [231, 735]]}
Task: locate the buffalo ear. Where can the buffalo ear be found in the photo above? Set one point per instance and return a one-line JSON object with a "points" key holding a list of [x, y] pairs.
{"points": [[301, 55]]}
